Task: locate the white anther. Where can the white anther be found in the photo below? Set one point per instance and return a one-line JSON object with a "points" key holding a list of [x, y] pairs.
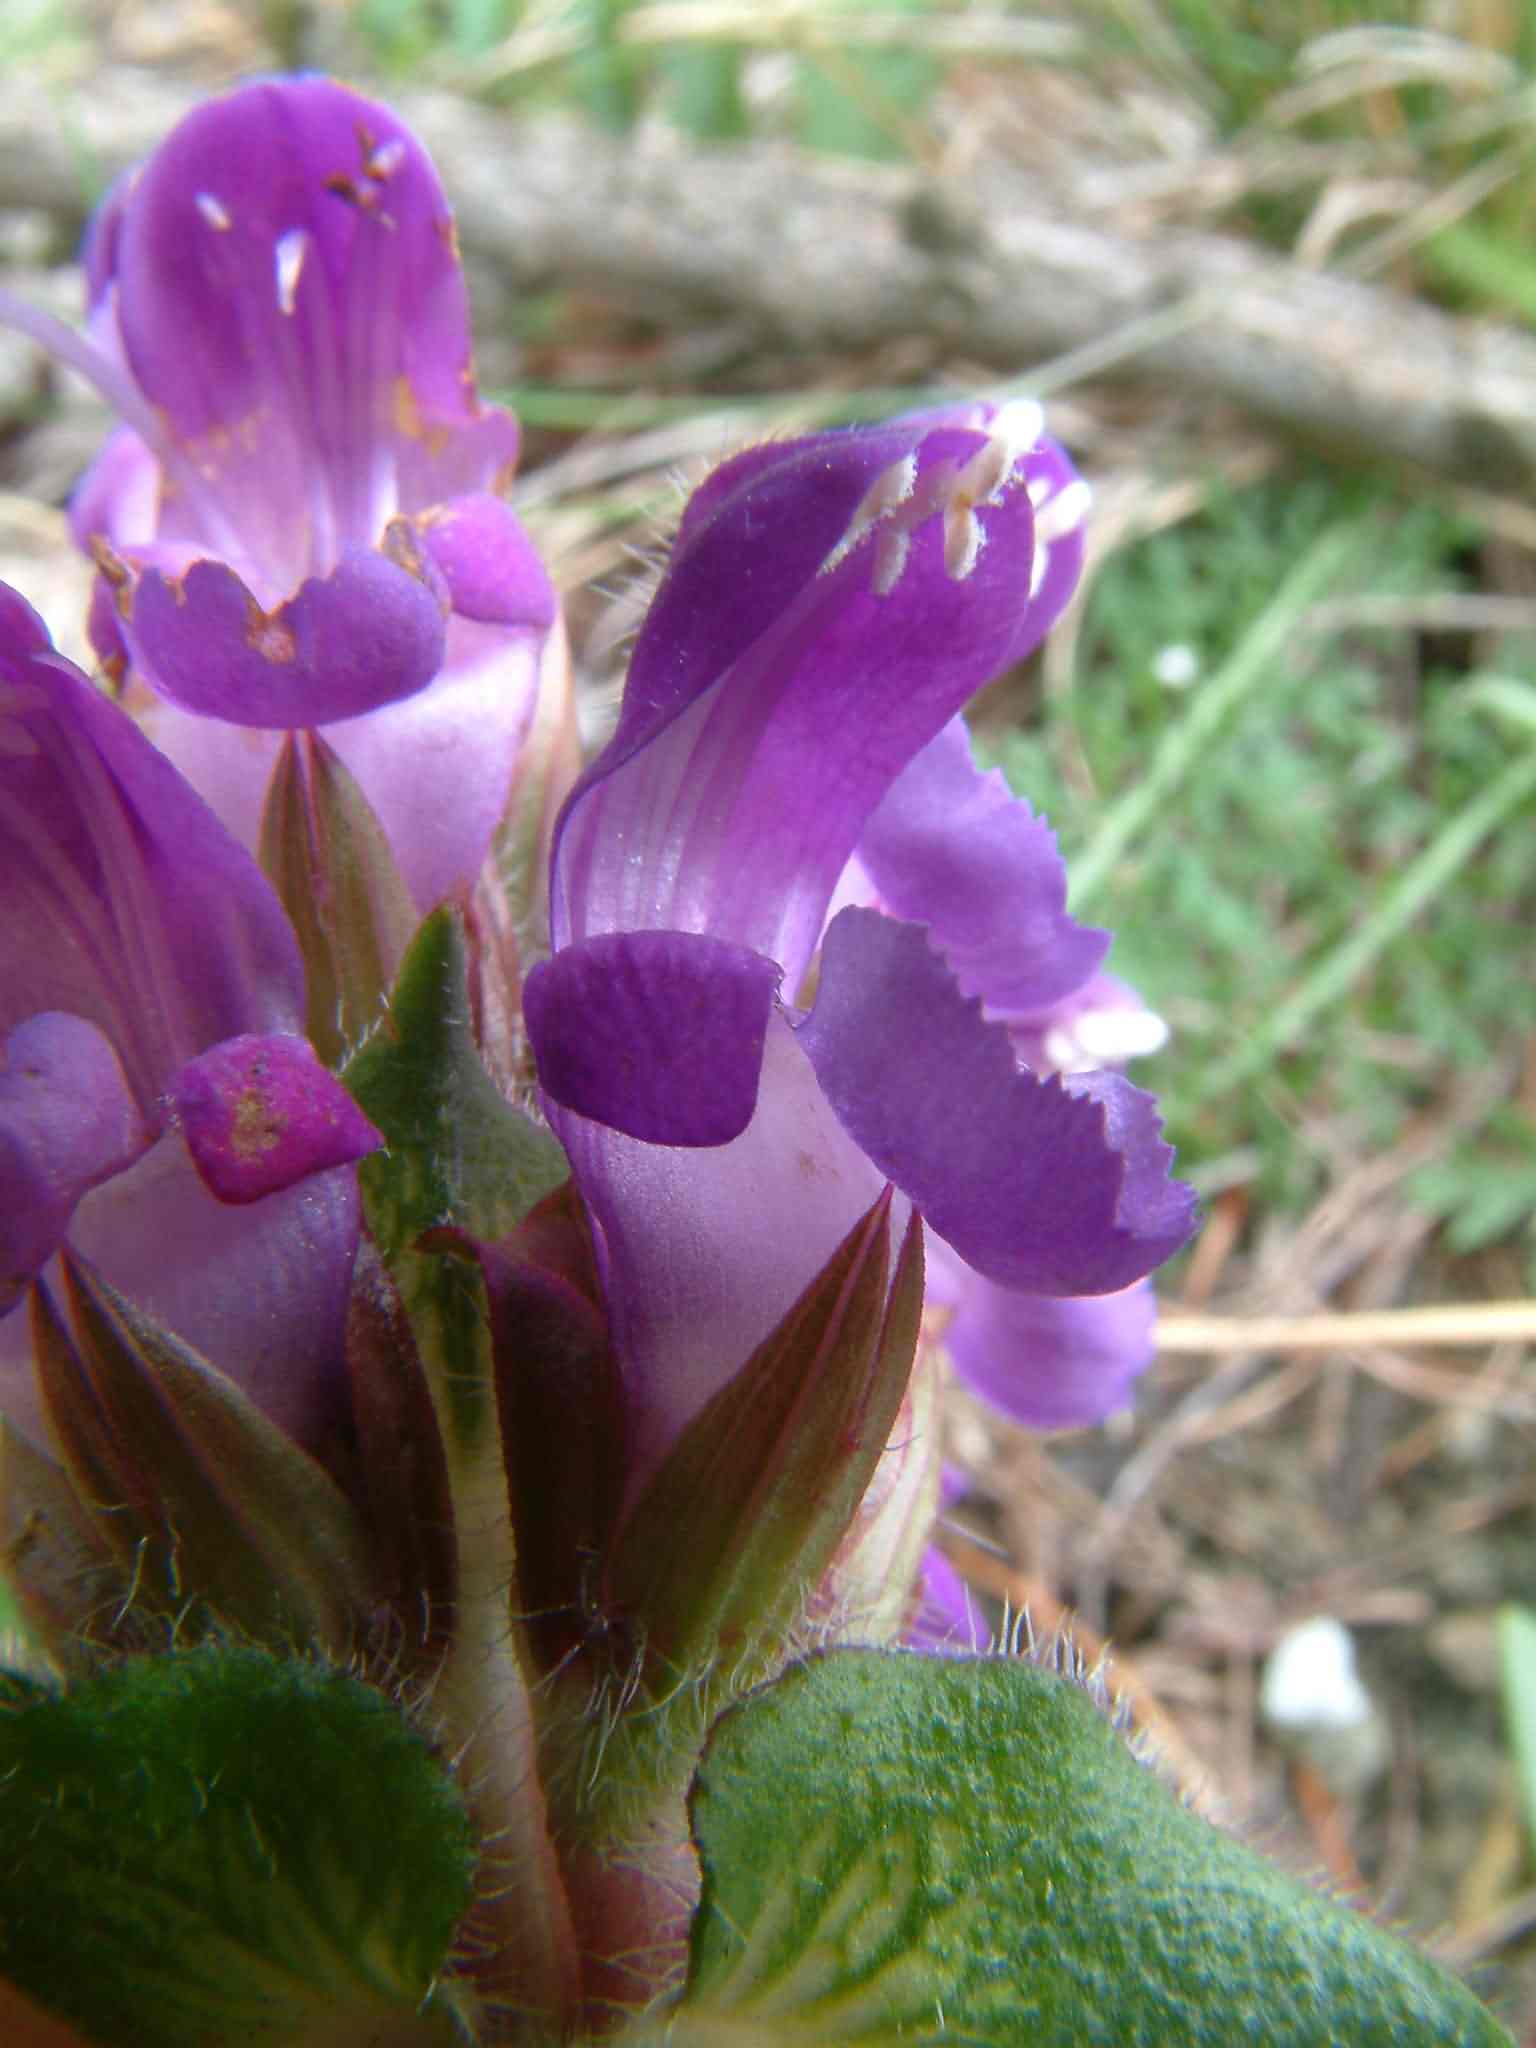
{"points": [[964, 539], [1102, 1038], [1020, 422], [891, 551], [983, 477], [1064, 513], [1061, 1053], [890, 489], [986, 480], [1111, 1037], [898, 503], [213, 210], [288, 263]]}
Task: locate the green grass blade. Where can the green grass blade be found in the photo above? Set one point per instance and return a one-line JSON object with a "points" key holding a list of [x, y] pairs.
{"points": [[1184, 748], [1517, 1661], [1415, 889]]}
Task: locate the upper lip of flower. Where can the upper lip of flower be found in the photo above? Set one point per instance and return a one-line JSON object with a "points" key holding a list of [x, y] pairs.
{"points": [[271, 516], [830, 606], [302, 233]]}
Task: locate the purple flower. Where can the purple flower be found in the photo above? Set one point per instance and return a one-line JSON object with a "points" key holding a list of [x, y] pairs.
{"points": [[791, 921], [1055, 1361], [945, 1614], [157, 1105], [297, 525], [1046, 1361]]}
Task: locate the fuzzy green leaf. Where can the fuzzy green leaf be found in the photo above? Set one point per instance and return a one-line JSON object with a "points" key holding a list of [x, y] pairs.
{"points": [[1517, 1670], [899, 1847], [221, 1847]]}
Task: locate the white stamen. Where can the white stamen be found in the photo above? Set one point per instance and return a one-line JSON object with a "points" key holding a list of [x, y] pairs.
{"points": [[1060, 1051], [1110, 1037], [892, 487], [288, 262], [896, 501], [964, 539], [891, 551], [983, 477], [1064, 513], [986, 480], [1020, 422], [213, 210]]}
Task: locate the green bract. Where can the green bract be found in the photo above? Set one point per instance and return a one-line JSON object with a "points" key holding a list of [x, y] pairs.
{"points": [[458, 1154], [908, 1848]]}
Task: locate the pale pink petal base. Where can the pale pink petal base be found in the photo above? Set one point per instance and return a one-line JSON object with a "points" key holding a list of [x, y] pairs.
{"points": [[67, 1120], [436, 767], [260, 1289], [704, 1251]]}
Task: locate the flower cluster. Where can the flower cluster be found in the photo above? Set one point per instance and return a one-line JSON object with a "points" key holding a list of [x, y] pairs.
{"points": [[807, 997]]}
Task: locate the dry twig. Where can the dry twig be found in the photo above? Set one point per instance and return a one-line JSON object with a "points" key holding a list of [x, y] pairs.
{"points": [[818, 255], [1476, 1323]]}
